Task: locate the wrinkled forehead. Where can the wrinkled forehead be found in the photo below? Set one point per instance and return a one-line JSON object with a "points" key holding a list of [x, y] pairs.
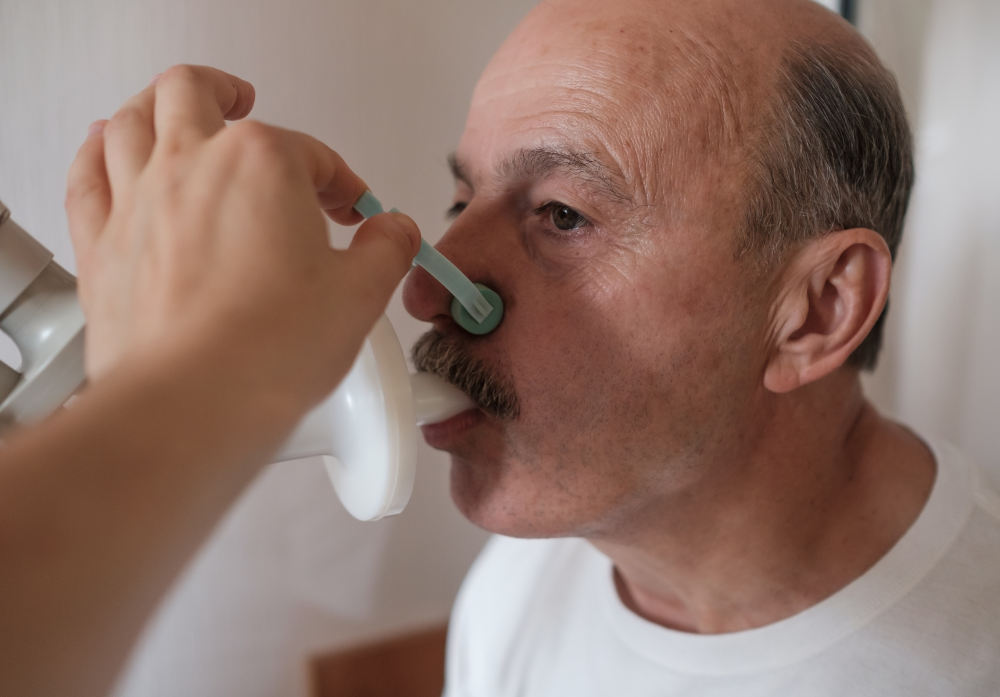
{"points": [[648, 96]]}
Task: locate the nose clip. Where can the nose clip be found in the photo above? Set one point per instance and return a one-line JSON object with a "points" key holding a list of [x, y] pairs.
{"points": [[474, 307], [469, 323]]}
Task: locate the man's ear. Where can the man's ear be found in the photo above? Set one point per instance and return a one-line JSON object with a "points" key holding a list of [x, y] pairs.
{"points": [[829, 297]]}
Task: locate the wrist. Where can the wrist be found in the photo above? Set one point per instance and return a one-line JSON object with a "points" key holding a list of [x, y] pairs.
{"points": [[215, 399]]}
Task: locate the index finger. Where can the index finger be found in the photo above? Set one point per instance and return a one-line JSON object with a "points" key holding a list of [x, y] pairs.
{"points": [[194, 101], [337, 186]]}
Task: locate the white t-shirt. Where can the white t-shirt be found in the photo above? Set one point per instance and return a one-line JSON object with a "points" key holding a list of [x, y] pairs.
{"points": [[542, 617]]}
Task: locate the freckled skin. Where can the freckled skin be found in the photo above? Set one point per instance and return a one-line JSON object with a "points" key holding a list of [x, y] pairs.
{"points": [[638, 346]]}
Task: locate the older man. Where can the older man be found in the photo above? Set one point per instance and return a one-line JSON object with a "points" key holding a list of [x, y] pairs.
{"points": [[691, 210]]}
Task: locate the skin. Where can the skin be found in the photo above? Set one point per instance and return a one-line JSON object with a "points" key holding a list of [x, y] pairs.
{"points": [[217, 316], [688, 414]]}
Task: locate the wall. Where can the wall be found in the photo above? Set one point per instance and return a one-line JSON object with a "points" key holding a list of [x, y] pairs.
{"points": [[387, 84]]}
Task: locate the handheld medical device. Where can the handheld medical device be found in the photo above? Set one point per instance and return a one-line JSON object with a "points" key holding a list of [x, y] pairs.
{"points": [[366, 431]]}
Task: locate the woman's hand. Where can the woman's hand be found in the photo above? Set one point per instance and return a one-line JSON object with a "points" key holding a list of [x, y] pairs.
{"points": [[194, 239]]}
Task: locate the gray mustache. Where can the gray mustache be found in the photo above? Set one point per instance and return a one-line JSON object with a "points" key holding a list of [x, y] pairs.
{"points": [[449, 359]]}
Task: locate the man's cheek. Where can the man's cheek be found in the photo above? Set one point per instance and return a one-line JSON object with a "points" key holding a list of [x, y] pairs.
{"points": [[567, 388]]}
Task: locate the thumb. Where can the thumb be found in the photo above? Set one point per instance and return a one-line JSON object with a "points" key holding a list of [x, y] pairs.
{"points": [[380, 255]]}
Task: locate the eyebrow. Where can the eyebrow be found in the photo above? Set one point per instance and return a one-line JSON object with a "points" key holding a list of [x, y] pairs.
{"points": [[543, 161]]}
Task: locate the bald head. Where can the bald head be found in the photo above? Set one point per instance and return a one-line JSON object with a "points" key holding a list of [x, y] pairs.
{"points": [[780, 106], [710, 63]]}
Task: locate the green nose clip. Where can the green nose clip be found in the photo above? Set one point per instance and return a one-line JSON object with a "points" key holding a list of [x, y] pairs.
{"points": [[476, 308]]}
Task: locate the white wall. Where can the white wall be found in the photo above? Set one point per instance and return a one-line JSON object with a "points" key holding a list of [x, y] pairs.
{"points": [[386, 83]]}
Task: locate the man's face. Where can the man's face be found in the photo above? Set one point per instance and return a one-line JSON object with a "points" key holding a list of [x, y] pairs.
{"points": [[592, 195]]}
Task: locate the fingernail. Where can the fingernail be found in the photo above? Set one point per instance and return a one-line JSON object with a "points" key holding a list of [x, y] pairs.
{"points": [[156, 78], [96, 128]]}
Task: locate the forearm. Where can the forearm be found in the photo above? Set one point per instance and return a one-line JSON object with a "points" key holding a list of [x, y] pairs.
{"points": [[101, 507]]}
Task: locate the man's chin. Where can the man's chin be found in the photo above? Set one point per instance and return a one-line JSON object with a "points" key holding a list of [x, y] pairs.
{"points": [[475, 496], [484, 492], [474, 442]]}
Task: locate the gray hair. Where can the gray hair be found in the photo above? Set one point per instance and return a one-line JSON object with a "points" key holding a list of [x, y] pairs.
{"points": [[835, 153]]}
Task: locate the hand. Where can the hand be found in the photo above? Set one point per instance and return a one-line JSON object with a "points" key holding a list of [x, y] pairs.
{"points": [[217, 314], [198, 240]]}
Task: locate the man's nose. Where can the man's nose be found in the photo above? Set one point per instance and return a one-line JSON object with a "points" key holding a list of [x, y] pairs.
{"points": [[425, 298]]}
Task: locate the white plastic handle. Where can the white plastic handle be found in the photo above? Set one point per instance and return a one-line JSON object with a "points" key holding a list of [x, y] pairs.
{"points": [[40, 312]]}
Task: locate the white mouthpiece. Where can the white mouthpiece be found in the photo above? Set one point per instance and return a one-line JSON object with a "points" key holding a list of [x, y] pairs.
{"points": [[436, 400], [367, 429]]}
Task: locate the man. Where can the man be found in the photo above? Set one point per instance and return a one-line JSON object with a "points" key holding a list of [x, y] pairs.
{"points": [[217, 317], [690, 210]]}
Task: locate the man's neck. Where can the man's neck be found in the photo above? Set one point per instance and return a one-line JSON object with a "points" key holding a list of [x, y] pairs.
{"points": [[819, 500]]}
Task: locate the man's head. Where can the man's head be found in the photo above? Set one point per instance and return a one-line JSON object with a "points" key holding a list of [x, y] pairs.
{"points": [[676, 202]]}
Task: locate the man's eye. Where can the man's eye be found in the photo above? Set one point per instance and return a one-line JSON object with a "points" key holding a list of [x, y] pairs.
{"points": [[565, 218], [455, 210]]}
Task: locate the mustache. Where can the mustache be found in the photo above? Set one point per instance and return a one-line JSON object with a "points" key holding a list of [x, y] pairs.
{"points": [[449, 358]]}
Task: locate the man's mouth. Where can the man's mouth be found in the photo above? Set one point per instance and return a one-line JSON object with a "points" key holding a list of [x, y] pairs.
{"points": [[445, 433]]}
